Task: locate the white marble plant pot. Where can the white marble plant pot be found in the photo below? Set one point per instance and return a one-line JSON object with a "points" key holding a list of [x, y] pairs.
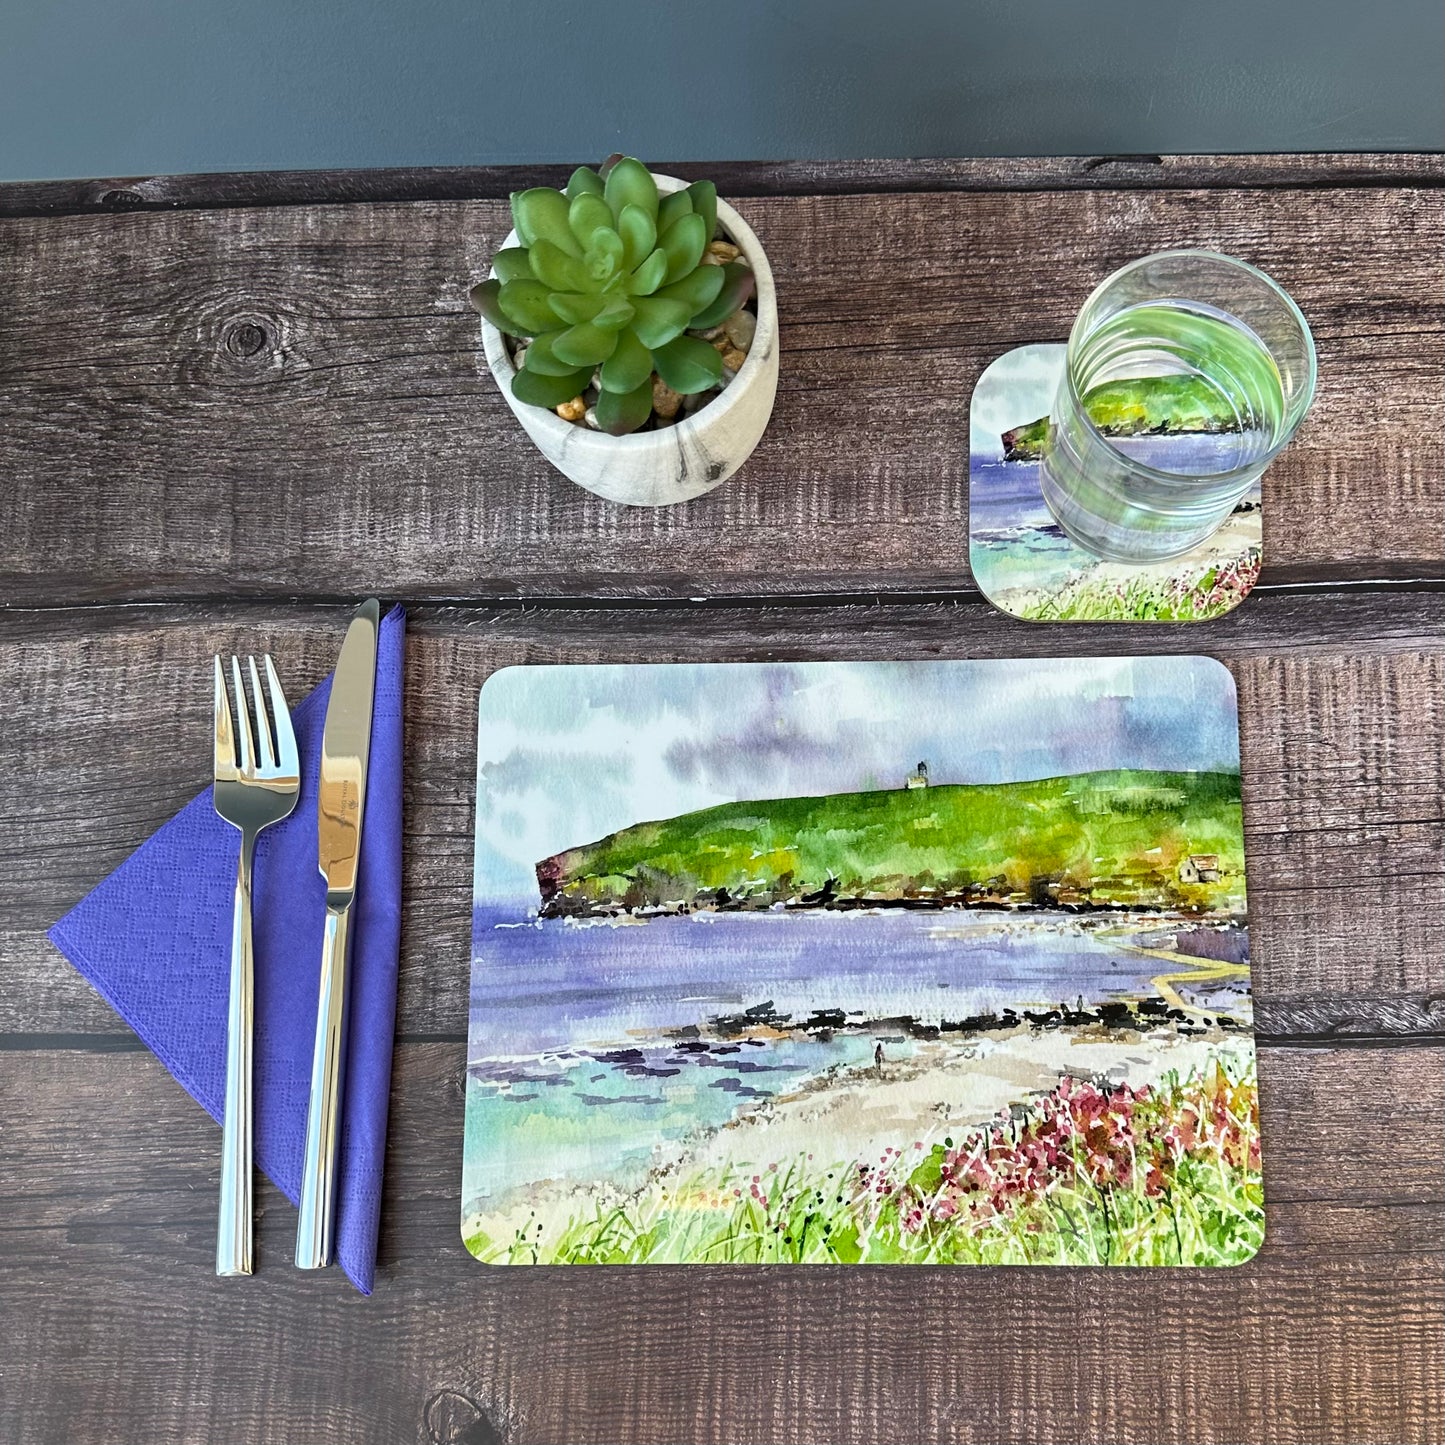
{"points": [[696, 454]]}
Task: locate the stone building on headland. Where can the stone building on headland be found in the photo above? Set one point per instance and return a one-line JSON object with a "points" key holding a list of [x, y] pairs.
{"points": [[1200, 868]]}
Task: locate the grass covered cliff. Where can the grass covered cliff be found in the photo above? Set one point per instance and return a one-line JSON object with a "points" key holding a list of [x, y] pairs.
{"points": [[1140, 406], [1116, 839]]}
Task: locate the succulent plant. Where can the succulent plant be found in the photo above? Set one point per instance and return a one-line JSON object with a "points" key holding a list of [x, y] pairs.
{"points": [[609, 274]]}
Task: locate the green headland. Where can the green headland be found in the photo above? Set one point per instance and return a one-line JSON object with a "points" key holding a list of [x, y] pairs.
{"points": [[1104, 840], [1143, 406]]}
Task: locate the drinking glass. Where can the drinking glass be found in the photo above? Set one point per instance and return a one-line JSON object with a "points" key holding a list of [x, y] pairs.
{"points": [[1187, 373]]}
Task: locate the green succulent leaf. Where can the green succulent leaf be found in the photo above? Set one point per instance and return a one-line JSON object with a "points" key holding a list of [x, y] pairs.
{"points": [[658, 320], [584, 345], [704, 204], [615, 314], [697, 290], [511, 264], [737, 287], [628, 366], [602, 262], [684, 242], [630, 183], [620, 412], [588, 213], [639, 235], [574, 308], [583, 181], [538, 390], [672, 208], [526, 303], [541, 215], [543, 359], [687, 365], [557, 270], [483, 296], [650, 275]]}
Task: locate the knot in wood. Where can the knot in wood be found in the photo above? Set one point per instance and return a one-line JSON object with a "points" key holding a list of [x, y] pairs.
{"points": [[452, 1418], [245, 338]]}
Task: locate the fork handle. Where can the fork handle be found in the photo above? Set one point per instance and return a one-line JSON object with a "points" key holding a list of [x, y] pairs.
{"points": [[315, 1232], [233, 1234]]}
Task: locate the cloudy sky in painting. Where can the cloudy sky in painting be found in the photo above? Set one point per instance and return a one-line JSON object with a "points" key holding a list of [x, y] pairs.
{"points": [[567, 755], [1016, 389]]}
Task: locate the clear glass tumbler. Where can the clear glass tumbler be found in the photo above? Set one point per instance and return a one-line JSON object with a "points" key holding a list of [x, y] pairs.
{"points": [[1187, 374]]}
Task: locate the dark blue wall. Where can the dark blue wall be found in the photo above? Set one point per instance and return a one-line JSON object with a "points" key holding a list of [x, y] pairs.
{"points": [[126, 87]]}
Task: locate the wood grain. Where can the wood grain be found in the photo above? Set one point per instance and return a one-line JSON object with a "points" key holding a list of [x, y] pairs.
{"points": [[738, 178], [295, 403], [232, 403], [1340, 1315]]}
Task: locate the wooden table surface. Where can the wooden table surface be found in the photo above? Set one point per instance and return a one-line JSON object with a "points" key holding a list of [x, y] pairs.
{"points": [[231, 405]]}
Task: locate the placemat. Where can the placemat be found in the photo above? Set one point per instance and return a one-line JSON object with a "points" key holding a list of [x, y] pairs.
{"points": [[1021, 558], [920, 962]]}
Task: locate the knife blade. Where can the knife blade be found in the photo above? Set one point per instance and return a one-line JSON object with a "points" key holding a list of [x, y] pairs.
{"points": [[340, 807], [345, 751]]}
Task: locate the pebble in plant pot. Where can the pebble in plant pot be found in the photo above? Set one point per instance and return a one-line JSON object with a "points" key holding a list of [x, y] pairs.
{"points": [[614, 324]]}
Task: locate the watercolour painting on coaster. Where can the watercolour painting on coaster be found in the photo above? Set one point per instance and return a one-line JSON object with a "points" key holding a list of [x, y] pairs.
{"points": [[914, 963], [1020, 557]]}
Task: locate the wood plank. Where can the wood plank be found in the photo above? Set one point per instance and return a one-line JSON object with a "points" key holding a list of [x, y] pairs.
{"points": [[1342, 724], [739, 178], [1334, 1333], [150, 1191], [1327, 1353], [153, 450]]}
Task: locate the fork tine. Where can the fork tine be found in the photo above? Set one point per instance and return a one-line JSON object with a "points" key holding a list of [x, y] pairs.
{"points": [[264, 749], [225, 749], [243, 721], [285, 735]]}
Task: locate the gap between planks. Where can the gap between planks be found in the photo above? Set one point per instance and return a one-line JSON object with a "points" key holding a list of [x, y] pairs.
{"points": [[1142, 171], [924, 596], [126, 1042]]}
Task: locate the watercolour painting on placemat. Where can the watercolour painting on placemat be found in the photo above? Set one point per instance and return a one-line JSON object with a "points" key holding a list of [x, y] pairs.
{"points": [[929, 962], [1019, 555]]}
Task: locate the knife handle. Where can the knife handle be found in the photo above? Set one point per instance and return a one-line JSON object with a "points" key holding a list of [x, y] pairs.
{"points": [[315, 1233]]}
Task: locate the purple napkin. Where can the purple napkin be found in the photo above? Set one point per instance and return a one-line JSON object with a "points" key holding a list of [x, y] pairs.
{"points": [[155, 940]]}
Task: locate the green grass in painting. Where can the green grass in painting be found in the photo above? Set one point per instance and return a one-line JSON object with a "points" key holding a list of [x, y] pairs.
{"points": [[1212, 593], [1138, 406], [1161, 1175], [1113, 838]]}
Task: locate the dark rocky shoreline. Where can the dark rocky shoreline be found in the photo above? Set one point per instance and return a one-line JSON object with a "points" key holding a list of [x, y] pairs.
{"points": [[1141, 1016]]}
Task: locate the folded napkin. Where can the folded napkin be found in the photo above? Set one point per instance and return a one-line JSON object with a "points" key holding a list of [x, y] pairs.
{"points": [[155, 939]]}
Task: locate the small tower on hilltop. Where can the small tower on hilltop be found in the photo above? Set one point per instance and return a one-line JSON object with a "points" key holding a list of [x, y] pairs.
{"points": [[918, 778]]}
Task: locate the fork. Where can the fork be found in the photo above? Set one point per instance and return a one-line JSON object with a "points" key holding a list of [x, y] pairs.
{"points": [[257, 784]]}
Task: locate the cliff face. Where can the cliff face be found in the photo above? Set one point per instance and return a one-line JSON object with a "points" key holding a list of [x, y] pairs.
{"points": [[1146, 405], [1104, 840]]}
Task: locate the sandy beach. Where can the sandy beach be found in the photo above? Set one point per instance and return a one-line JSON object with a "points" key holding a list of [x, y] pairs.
{"points": [[944, 1087]]}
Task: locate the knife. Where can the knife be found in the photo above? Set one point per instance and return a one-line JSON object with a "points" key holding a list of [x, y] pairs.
{"points": [[341, 801]]}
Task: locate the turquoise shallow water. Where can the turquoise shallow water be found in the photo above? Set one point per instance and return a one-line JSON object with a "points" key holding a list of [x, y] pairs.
{"points": [[591, 1116], [591, 1046]]}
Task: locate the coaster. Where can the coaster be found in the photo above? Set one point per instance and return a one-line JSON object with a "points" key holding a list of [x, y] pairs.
{"points": [[861, 963], [1021, 558]]}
